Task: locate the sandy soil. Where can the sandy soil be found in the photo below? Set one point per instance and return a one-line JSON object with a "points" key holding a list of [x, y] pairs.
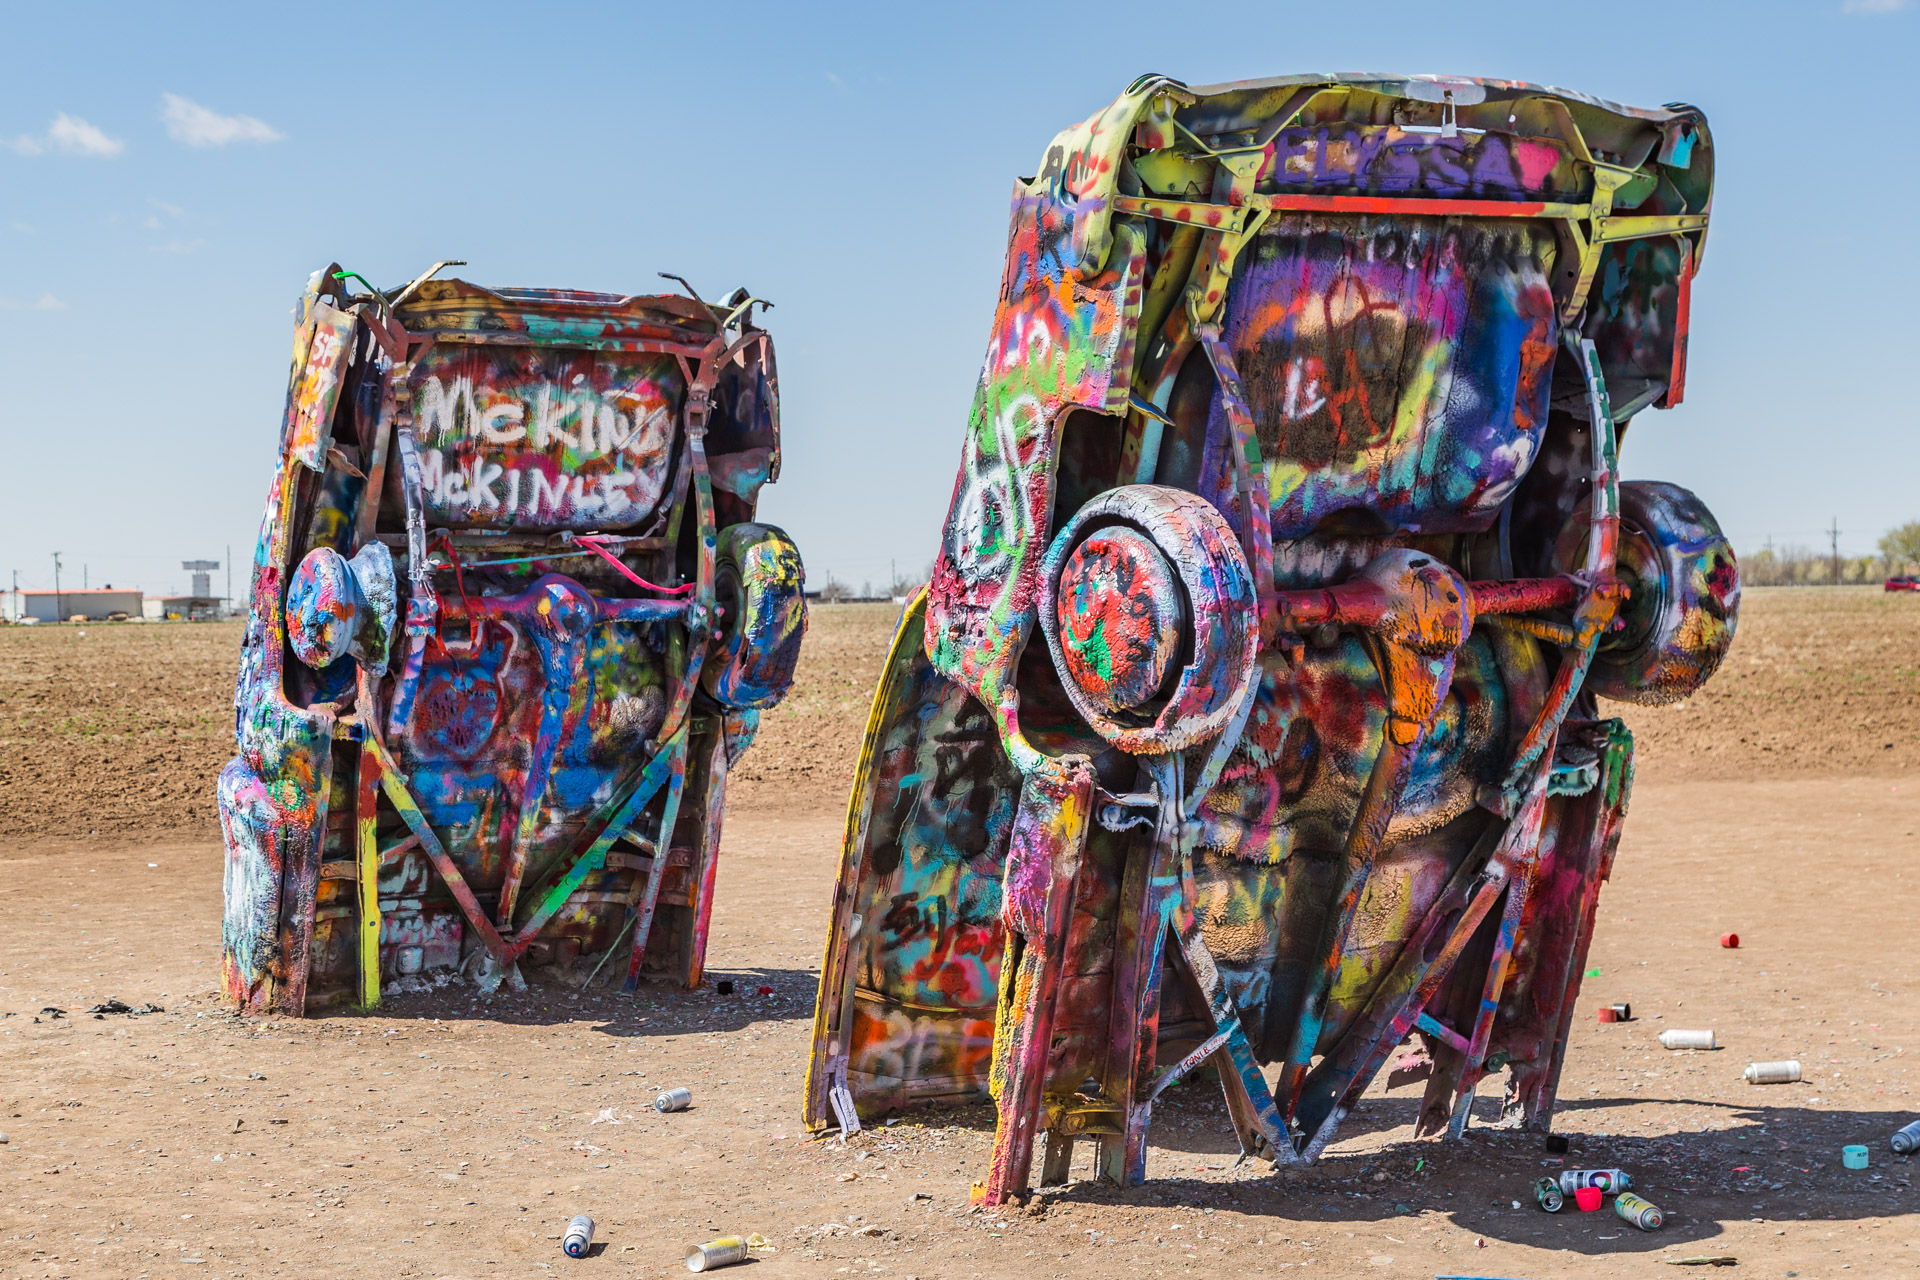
{"points": [[443, 1136]]}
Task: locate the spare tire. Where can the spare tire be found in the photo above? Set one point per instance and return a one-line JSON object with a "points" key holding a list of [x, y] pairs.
{"points": [[760, 586]]}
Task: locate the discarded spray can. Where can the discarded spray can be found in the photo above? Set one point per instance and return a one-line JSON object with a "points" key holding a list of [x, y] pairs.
{"points": [[579, 1236], [1623, 1012], [1608, 1180], [1677, 1039], [1907, 1140], [1641, 1212], [674, 1100], [723, 1252], [1772, 1072], [1547, 1194]]}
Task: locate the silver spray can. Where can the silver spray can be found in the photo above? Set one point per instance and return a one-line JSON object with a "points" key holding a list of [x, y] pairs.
{"points": [[579, 1236], [1642, 1213], [674, 1100], [1772, 1072], [1611, 1181], [1677, 1039], [723, 1252], [1907, 1141]]}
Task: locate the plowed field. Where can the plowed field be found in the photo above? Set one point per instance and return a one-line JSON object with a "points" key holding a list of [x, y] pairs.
{"points": [[448, 1136]]}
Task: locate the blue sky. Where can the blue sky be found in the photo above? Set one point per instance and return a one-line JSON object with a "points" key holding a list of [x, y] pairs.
{"points": [[168, 178]]}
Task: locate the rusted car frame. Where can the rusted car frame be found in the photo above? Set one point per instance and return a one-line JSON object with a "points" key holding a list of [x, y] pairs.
{"points": [[512, 621], [1296, 444]]}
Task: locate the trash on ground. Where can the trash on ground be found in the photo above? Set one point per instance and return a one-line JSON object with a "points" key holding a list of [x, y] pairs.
{"points": [[1772, 1072], [674, 1100], [1904, 1142], [1547, 1194], [723, 1252], [579, 1236], [1730, 941], [1641, 1212], [1674, 1038], [1607, 1180], [1854, 1157]]}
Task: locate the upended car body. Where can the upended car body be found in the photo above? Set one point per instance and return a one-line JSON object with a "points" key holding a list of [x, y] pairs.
{"points": [[1250, 714], [512, 620]]}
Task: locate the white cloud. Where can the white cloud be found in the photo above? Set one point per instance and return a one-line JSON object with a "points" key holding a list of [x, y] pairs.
{"points": [[69, 134], [75, 136], [1876, 6], [198, 126], [45, 302], [155, 221]]}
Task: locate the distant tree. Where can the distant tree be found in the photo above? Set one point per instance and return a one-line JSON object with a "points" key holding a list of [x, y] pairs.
{"points": [[1784, 566], [1901, 547], [835, 590]]}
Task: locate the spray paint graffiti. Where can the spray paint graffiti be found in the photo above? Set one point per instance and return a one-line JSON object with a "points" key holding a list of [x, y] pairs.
{"points": [[517, 771], [1296, 438], [579, 446]]}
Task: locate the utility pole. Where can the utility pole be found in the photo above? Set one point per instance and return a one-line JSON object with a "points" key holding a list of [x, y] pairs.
{"points": [[229, 577], [1833, 546], [59, 614], [17, 610]]}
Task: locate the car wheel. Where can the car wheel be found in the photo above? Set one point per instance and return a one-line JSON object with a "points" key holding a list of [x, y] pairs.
{"points": [[760, 586], [1150, 613], [1683, 598]]}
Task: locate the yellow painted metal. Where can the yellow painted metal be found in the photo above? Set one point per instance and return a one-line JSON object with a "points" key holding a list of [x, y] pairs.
{"points": [[1234, 214], [369, 891], [1607, 179], [833, 1007], [1651, 225], [1194, 213]]}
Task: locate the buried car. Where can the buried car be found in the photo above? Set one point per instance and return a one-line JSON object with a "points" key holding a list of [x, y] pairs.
{"points": [[512, 621], [1250, 714]]}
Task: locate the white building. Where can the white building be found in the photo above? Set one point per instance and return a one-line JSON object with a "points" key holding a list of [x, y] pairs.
{"points": [[96, 605]]}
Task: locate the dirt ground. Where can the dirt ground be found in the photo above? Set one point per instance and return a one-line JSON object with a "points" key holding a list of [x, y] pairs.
{"points": [[446, 1136]]}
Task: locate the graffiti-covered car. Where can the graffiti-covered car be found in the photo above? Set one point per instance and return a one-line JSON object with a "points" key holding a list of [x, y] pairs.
{"points": [[512, 620], [1250, 714]]}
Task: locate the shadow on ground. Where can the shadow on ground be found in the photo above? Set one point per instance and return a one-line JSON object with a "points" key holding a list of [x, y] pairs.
{"points": [[656, 1008]]}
